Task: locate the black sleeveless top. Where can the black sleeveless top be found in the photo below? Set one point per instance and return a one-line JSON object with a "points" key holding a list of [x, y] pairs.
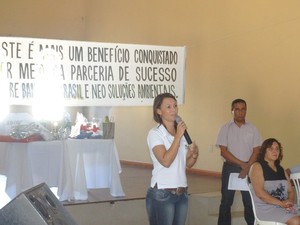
{"points": [[270, 174]]}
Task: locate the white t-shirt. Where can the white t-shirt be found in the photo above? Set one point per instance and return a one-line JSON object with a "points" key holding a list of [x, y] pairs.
{"points": [[175, 175]]}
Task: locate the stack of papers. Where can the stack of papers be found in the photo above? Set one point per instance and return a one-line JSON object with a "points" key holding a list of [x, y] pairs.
{"points": [[236, 183]]}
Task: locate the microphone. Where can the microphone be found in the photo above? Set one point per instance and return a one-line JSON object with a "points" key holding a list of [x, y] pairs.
{"points": [[186, 135]]}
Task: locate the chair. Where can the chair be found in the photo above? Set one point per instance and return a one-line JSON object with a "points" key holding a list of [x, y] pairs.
{"points": [[295, 177], [258, 221]]}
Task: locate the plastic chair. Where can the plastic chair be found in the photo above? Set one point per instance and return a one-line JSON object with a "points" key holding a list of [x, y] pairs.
{"points": [[295, 177], [258, 221]]}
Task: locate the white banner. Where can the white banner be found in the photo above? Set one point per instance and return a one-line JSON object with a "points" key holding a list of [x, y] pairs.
{"points": [[88, 73]]}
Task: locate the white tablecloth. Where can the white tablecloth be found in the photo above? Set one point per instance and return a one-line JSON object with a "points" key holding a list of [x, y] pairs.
{"points": [[72, 165]]}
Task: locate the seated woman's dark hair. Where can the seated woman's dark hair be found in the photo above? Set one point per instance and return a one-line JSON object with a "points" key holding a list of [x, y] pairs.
{"points": [[267, 144]]}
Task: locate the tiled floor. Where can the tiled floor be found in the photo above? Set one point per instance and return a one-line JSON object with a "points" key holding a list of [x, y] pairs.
{"points": [[136, 179]]}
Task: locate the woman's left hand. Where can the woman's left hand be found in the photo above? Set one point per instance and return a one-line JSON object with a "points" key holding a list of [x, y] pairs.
{"points": [[288, 203], [194, 151]]}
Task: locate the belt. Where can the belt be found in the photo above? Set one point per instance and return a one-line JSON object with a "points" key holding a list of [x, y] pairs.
{"points": [[176, 191], [232, 164]]}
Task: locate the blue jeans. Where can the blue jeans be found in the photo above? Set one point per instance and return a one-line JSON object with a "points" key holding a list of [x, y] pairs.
{"points": [[228, 196], [166, 208]]}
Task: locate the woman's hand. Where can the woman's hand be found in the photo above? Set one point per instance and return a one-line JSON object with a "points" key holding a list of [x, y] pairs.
{"points": [[289, 206], [181, 127], [192, 155], [287, 203], [194, 150]]}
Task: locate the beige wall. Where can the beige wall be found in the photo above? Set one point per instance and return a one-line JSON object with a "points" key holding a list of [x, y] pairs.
{"points": [[235, 49]]}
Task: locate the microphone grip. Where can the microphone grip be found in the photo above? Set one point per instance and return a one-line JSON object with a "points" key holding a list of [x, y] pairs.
{"points": [[187, 137]]}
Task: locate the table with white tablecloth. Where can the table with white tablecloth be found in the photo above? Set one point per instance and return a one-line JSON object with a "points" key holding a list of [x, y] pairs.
{"points": [[72, 165]]}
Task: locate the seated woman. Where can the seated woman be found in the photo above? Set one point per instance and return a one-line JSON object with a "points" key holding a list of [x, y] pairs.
{"points": [[270, 186]]}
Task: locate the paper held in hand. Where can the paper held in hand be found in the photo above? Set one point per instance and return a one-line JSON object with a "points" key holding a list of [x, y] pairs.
{"points": [[236, 183]]}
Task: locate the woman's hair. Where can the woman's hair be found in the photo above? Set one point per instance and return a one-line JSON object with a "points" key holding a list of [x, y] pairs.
{"points": [[263, 149], [157, 104]]}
